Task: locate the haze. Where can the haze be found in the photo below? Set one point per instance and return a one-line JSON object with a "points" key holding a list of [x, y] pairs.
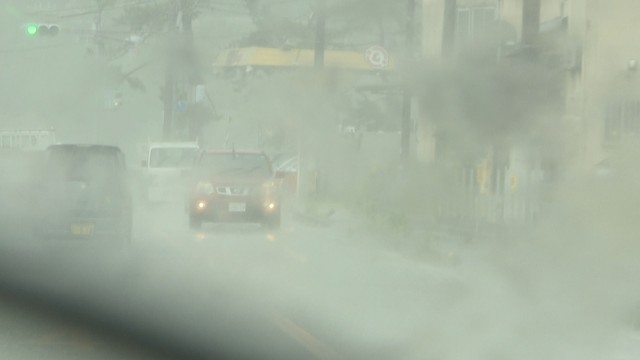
{"points": [[457, 179]]}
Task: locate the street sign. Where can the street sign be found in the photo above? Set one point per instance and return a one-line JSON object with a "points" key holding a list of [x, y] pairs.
{"points": [[181, 106], [482, 176], [513, 182], [377, 56]]}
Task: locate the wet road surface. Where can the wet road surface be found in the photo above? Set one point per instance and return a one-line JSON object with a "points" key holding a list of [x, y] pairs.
{"points": [[297, 292]]}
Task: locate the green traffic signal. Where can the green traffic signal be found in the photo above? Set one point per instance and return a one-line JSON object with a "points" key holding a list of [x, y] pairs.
{"points": [[32, 29], [41, 30]]}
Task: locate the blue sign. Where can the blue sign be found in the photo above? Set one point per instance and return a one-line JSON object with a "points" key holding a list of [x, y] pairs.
{"points": [[181, 106]]}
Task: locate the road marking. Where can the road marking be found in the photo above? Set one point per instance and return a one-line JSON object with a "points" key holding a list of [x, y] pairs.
{"points": [[303, 337]]}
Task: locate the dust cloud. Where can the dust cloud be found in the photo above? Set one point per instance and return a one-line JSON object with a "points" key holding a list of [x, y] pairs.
{"points": [[377, 282]]}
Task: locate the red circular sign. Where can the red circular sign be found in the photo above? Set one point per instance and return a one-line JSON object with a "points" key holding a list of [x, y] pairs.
{"points": [[377, 56]]}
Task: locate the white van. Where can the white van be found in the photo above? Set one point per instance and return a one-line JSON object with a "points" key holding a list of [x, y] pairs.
{"points": [[166, 168]]}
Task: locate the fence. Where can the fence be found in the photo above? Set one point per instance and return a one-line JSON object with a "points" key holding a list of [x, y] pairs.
{"points": [[483, 201], [26, 139]]}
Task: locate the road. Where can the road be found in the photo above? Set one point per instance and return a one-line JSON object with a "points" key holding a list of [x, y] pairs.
{"points": [[298, 292], [302, 292]]}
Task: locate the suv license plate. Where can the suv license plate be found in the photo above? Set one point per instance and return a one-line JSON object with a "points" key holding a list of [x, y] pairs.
{"points": [[85, 229], [237, 207]]}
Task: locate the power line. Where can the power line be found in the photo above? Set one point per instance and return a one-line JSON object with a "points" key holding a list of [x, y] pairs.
{"points": [[229, 3], [22, 50], [93, 7]]}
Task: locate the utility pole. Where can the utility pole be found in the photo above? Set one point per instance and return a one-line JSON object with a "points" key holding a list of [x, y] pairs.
{"points": [[98, 28], [181, 76], [407, 96], [168, 99], [530, 26], [100, 53], [449, 28], [303, 179], [170, 78], [321, 27], [192, 77]]}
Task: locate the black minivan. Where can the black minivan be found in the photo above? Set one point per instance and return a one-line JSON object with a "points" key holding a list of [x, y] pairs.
{"points": [[83, 193]]}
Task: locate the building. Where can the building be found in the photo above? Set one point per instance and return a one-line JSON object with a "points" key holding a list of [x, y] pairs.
{"points": [[459, 28], [603, 94], [592, 58], [499, 160], [601, 89]]}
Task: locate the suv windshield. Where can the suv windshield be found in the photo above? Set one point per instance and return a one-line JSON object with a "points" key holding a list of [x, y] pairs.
{"points": [[172, 157], [235, 164]]}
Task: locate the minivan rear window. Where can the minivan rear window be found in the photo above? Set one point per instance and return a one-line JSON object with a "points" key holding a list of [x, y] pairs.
{"points": [[84, 164]]}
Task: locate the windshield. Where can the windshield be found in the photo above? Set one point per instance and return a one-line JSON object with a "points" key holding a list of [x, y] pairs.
{"points": [[182, 158], [254, 165]]}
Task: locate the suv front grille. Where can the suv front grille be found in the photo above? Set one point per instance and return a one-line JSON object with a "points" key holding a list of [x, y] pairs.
{"points": [[233, 190]]}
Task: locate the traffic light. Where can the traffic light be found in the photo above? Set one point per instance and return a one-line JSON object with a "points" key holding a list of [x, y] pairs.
{"points": [[41, 30]]}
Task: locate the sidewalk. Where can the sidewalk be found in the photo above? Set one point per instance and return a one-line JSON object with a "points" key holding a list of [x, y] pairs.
{"points": [[419, 244], [318, 212]]}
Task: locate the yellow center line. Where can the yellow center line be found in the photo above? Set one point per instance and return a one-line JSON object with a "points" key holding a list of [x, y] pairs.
{"points": [[303, 337], [77, 339]]}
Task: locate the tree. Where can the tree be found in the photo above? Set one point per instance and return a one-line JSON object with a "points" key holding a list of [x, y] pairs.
{"points": [[146, 18], [351, 24], [367, 22]]}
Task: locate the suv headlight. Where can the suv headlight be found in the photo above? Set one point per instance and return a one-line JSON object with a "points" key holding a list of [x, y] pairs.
{"points": [[205, 188]]}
